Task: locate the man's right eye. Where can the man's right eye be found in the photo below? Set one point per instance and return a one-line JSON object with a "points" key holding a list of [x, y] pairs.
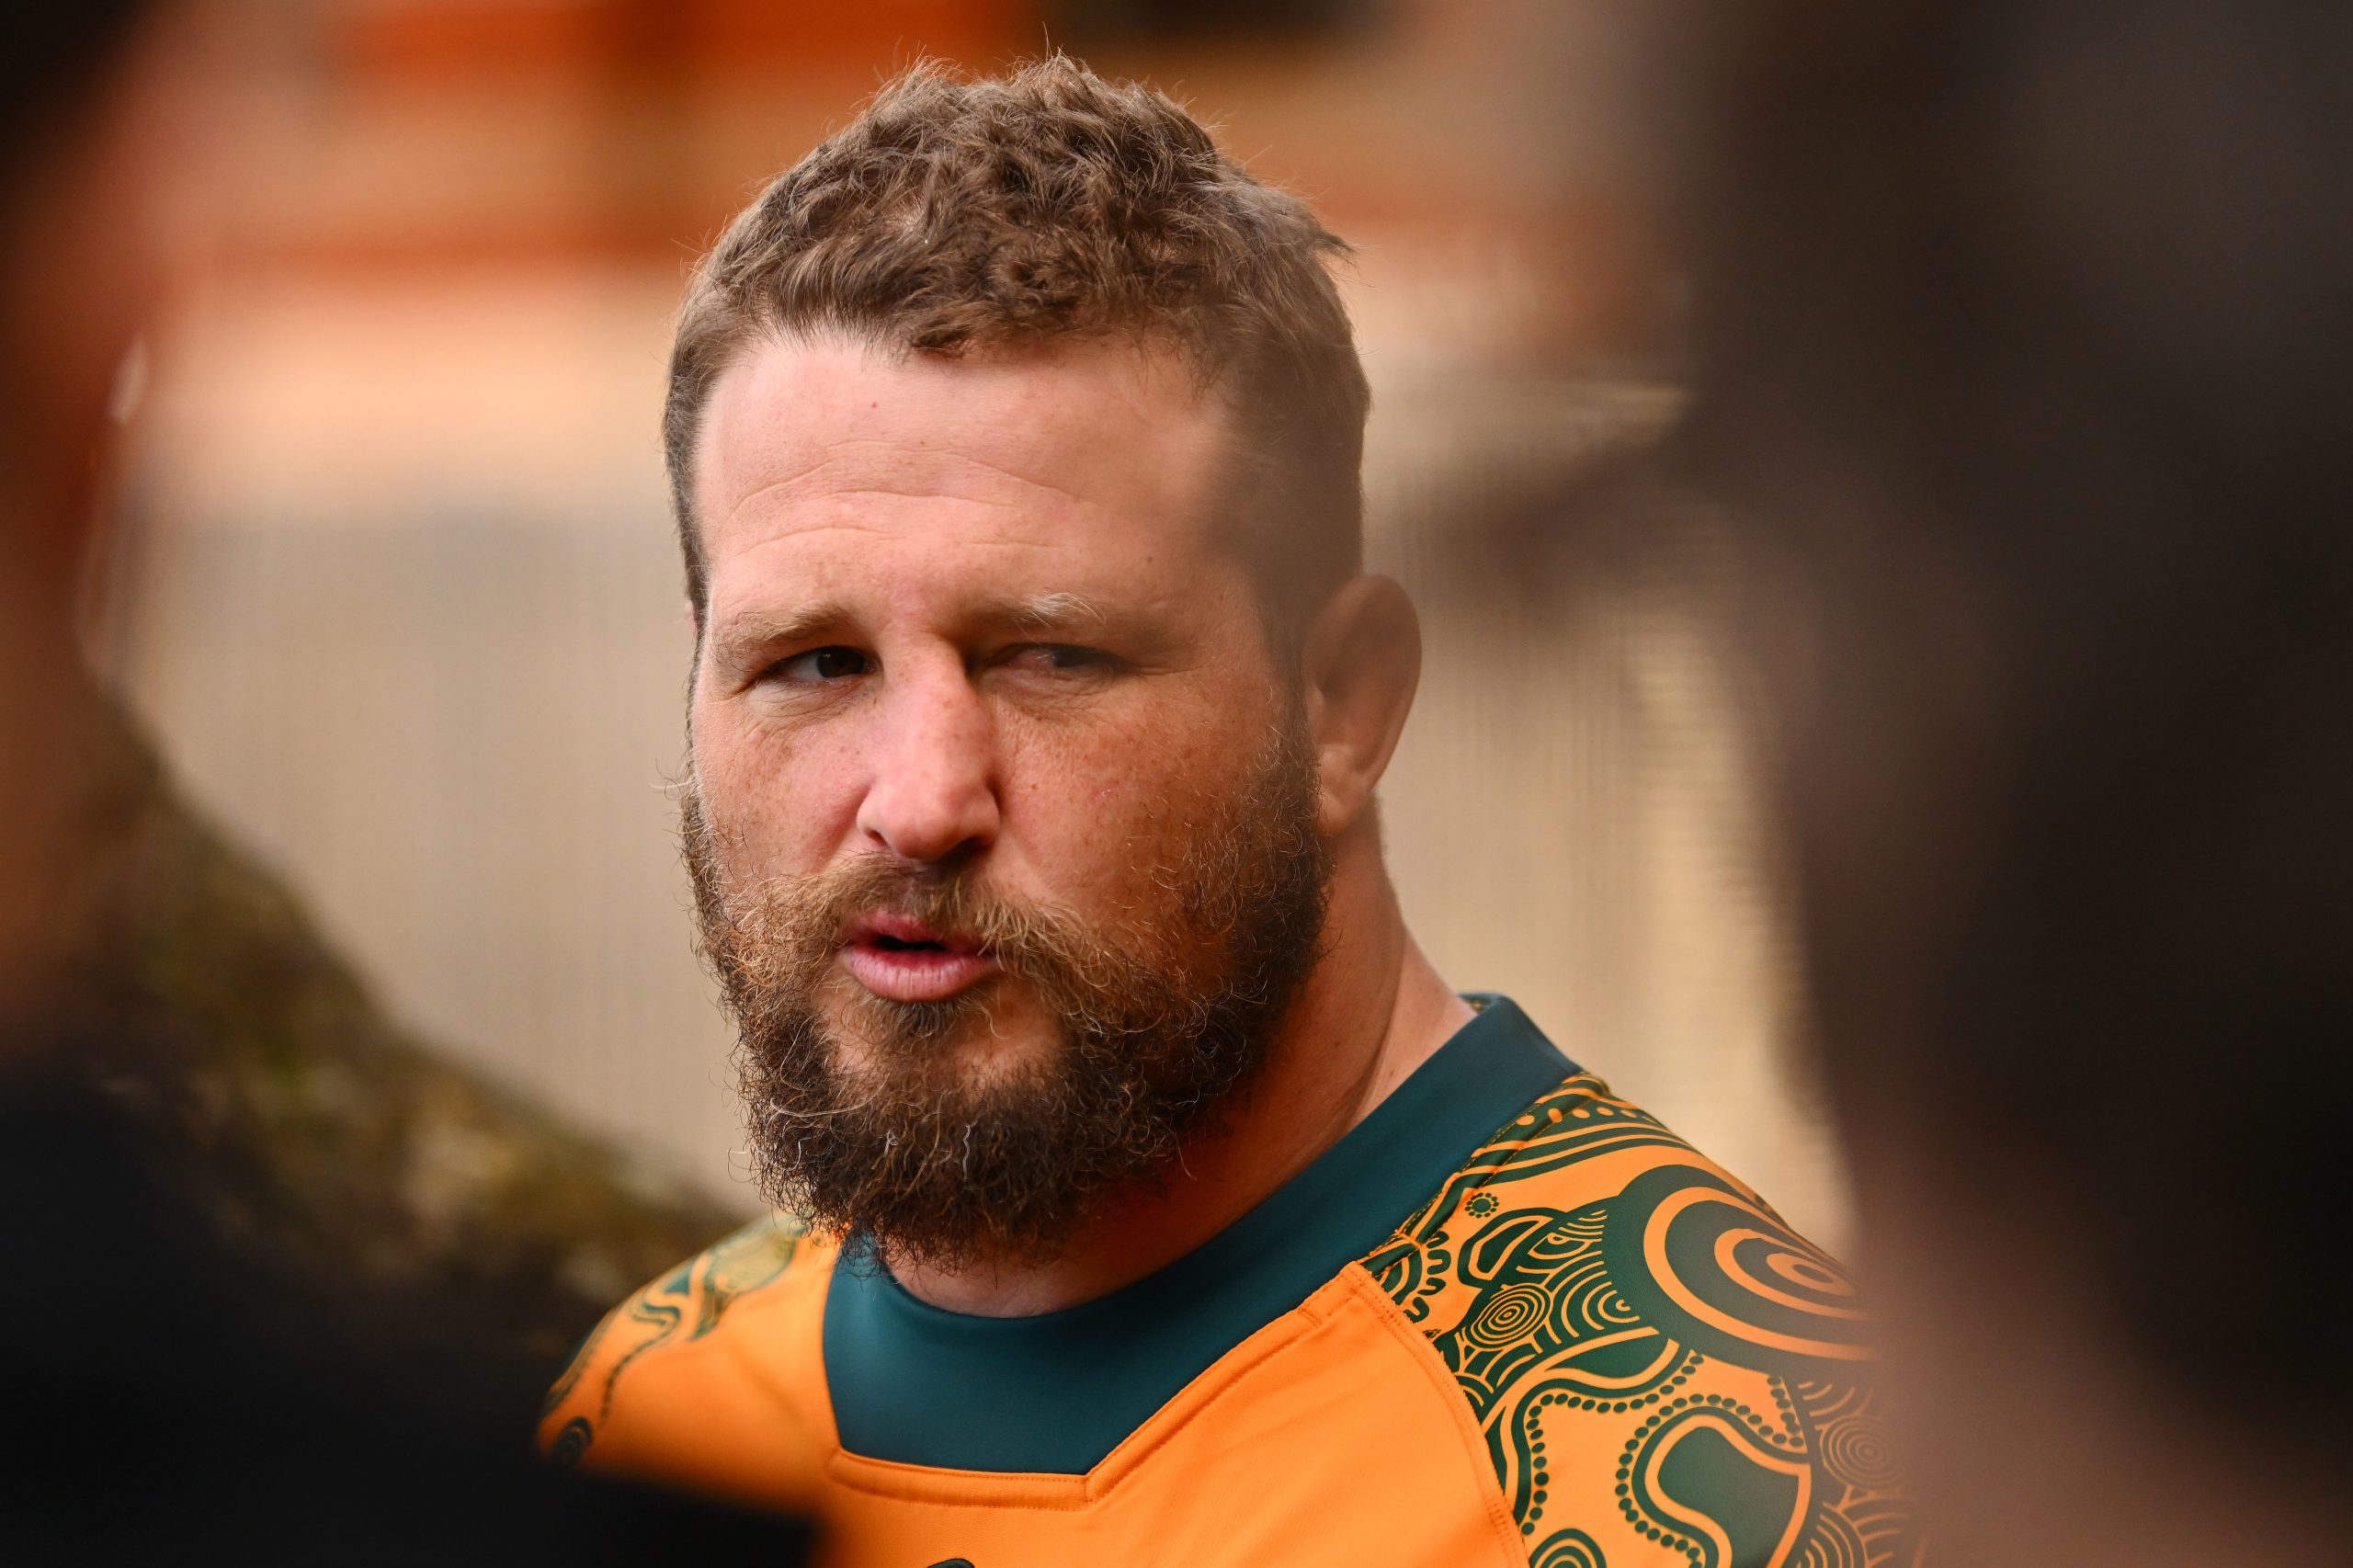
{"points": [[828, 663]]}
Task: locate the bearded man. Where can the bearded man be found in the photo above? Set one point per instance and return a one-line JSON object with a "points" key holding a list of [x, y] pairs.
{"points": [[1150, 1198]]}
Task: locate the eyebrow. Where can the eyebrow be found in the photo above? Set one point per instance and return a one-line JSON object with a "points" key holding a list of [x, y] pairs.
{"points": [[1047, 612], [748, 638], [745, 637]]}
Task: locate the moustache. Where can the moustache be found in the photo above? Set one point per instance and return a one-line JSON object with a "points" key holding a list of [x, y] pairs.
{"points": [[797, 927]]}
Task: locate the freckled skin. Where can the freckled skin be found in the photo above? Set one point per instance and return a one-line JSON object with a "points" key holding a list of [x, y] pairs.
{"points": [[982, 610], [914, 501]]}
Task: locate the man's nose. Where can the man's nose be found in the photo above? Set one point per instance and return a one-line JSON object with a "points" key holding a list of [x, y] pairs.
{"points": [[932, 793]]}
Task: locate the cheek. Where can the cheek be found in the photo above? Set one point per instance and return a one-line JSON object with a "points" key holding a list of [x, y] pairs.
{"points": [[784, 801], [1098, 812]]}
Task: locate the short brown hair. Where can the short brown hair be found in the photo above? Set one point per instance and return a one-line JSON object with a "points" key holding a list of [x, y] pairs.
{"points": [[1047, 204]]}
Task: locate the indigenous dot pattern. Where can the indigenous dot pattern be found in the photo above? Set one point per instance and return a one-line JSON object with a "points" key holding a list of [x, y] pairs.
{"points": [[1664, 1373]]}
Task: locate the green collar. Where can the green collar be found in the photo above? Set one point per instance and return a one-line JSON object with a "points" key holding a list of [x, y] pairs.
{"points": [[1056, 1393]]}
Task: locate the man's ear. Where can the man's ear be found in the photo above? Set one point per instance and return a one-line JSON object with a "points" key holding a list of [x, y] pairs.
{"points": [[1363, 659]]}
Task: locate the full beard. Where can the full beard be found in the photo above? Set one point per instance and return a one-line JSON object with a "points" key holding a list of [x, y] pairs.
{"points": [[892, 1123]]}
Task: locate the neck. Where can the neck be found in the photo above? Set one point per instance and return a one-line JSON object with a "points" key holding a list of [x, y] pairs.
{"points": [[1373, 1011]]}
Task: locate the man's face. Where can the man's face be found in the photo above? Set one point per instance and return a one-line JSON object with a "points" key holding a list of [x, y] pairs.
{"points": [[1002, 818]]}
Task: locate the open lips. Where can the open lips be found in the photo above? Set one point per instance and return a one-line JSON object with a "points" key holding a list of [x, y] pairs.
{"points": [[901, 959]]}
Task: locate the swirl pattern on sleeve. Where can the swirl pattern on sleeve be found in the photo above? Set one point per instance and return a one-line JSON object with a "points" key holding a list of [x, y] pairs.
{"points": [[1665, 1372]]}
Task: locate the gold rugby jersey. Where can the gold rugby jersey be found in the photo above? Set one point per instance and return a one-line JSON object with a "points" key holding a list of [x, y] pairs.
{"points": [[1508, 1319]]}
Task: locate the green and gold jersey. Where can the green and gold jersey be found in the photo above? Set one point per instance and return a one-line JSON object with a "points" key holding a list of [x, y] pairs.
{"points": [[1509, 1319]]}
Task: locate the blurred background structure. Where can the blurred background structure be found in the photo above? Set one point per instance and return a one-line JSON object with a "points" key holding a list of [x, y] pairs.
{"points": [[396, 593]]}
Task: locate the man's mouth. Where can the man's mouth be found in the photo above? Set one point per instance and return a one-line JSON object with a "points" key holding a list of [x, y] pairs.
{"points": [[901, 959]]}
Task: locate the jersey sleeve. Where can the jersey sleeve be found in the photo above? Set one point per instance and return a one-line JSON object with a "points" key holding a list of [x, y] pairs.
{"points": [[1664, 1372], [672, 1388]]}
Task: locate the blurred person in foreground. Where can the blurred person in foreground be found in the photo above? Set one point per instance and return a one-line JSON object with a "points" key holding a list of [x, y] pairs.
{"points": [[163, 1402], [1149, 1197], [2024, 336], [401, 1193]]}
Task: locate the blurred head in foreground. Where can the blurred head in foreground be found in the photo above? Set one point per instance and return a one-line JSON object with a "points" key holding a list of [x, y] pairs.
{"points": [[1014, 436], [308, 1450], [121, 127], [92, 99], [2023, 338]]}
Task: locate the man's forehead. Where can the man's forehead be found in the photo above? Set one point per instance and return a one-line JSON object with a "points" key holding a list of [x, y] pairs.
{"points": [[1106, 427]]}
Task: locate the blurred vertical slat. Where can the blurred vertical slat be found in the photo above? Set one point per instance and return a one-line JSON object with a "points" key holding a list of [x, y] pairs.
{"points": [[455, 738]]}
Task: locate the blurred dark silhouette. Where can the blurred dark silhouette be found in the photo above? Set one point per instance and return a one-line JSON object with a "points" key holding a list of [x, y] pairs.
{"points": [[394, 1188], [176, 1392], [401, 1194], [2022, 334]]}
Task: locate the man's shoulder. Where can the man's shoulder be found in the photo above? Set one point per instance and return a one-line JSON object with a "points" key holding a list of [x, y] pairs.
{"points": [[1575, 1143], [707, 1355], [1655, 1355], [1593, 1184]]}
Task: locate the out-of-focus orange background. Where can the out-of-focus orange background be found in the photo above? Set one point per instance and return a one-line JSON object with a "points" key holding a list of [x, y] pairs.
{"points": [[396, 590]]}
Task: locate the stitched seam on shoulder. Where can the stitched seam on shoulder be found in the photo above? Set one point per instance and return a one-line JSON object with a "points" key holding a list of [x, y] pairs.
{"points": [[1433, 1367]]}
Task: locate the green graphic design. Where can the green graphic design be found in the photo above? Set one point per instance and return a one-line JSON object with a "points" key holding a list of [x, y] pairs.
{"points": [[1673, 1332], [1567, 1548], [571, 1442], [1720, 1271], [694, 1297]]}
